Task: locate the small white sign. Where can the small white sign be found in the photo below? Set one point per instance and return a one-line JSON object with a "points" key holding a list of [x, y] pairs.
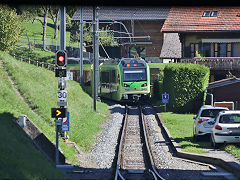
{"points": [[61, 95], [69, 75]]}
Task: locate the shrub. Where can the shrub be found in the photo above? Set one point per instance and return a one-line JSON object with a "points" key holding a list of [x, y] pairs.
{"points": [[158, 86], [10, 30], [185, 84]]}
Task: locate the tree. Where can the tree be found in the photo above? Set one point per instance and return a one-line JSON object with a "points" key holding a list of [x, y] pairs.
{"points": [[10, 29], [54, 14], [45, 10], [88, 37]]}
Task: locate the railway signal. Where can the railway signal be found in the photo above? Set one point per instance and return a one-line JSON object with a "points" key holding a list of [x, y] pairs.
{"points": [[61, 58], [59, 112]]}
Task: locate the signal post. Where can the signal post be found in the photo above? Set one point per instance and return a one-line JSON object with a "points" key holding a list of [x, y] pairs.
{"points": [[60, 113]]}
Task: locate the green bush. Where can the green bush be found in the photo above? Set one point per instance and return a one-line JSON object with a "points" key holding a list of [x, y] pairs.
{"points": [[185, 84], [10, 30], [158, 86]]}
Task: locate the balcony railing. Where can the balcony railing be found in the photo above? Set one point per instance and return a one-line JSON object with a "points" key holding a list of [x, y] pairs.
{"points": [[216, 63]]}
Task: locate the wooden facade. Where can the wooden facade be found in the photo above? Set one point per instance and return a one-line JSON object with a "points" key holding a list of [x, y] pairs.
{"points": [[226, 90]]}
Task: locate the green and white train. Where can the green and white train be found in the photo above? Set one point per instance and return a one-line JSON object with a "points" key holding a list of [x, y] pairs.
{"points": [[124, 80]]}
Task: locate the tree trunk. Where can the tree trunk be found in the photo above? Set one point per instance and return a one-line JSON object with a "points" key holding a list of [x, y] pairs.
{"points": [[56, 24], [45, 27]]}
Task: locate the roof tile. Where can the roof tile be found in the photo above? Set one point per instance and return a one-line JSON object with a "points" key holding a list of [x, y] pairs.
{"points": [[190, 19]]}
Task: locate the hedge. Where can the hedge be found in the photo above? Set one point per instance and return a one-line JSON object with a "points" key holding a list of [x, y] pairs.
{"points": [[185, 84]]}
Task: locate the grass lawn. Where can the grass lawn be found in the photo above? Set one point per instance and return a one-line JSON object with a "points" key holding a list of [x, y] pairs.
{"points": [[86, 67], [161, 66], [180, 127], [19, 159], [39, 88]]}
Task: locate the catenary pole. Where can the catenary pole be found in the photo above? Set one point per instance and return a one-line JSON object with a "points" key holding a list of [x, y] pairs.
{"points": [[62, 28], [62, 47], [95, 57], [81, 46]]}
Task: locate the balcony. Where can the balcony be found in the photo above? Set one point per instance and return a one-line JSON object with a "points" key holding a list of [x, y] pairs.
{"points": [[216, 63]]}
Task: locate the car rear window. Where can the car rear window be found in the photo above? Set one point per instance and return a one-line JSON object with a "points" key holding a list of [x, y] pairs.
{"points": [[230, 118], [212, 113]]}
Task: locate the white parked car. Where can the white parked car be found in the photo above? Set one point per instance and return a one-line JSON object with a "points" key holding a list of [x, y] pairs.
{"points": [[204, 120], [226, 128]]}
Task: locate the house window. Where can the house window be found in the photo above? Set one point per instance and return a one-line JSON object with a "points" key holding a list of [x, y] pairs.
{"points": [[206, 13], [194, 49], [214, 14], [206, 51], [222, 50], [210, 14]]}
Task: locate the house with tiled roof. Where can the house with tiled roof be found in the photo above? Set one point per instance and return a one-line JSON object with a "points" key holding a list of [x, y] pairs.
{"points": [[209, 33], [130, 24], [226, 90]]}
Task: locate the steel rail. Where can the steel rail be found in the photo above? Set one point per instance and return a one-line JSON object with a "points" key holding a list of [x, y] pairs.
{"points": [[117, 173], [147, 145]]}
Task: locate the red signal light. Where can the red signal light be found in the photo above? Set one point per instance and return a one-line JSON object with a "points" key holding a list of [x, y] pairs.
{"points": [[61, 58]]}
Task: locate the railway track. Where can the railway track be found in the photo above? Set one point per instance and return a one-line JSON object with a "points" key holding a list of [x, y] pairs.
{"points": [[134, 157]]}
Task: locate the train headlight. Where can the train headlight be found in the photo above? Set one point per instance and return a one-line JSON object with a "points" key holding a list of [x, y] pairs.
{"points": [[144, 85], [126, 85]]}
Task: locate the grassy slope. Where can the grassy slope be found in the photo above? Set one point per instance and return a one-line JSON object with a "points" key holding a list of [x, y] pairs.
{"points": [[39, 87], [18, 158], [180, 127], [34, 31]]}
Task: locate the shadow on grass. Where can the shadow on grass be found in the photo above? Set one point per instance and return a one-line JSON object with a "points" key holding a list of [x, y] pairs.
{"points": [[202, 142]]}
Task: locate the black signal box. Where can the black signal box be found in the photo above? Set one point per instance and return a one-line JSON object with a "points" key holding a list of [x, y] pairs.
{"points": [[60, 73], [59, 112], [61, 57]]}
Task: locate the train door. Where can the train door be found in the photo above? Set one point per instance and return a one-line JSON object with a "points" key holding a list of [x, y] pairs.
{"points": [[112, 83], [105, 78]]}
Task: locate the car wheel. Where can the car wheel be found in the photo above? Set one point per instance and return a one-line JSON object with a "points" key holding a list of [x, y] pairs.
{"points": [[195, 137], [213, 143]]}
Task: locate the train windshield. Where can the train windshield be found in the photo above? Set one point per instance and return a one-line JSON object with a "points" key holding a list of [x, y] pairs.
{"points": [[134, 75]]}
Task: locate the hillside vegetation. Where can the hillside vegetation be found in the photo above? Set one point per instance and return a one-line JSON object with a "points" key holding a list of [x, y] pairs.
{"points": [[19, 159], [39, 88]]}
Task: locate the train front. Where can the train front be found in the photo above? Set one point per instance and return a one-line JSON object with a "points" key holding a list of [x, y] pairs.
{"points": [[135, 79]]}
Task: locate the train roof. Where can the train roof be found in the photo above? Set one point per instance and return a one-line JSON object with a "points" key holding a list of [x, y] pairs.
{"points": [[132, 60], [124, 61]]}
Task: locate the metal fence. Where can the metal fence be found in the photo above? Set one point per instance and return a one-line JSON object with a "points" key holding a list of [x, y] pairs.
{"points": [[48, 66], [217, 63]]}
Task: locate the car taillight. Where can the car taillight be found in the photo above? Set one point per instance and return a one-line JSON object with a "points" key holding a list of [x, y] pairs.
{"points": [[202, 120], [218, 127], [145, 84], [126, 85]]}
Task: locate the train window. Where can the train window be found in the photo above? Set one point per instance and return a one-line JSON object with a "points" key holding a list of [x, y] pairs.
{"points": [[134, 75], [113, 80], [105, 77]]}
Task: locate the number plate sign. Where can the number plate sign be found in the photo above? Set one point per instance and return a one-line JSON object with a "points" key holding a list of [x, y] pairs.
{"points": [[165, 98], [69, 75], [61, 95]]}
